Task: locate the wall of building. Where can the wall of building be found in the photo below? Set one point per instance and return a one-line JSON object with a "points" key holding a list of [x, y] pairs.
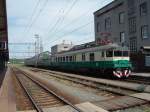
{"points": [[3, 34], [133, 32], [60, 48], [132, 18]]}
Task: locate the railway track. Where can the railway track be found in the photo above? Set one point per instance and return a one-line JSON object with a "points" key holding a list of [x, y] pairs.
{"points": [[138, 80], [105, 87], [123, 101], [40, 96]]}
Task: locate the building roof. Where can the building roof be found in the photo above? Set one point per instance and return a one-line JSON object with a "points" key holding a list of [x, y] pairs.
{"points": [[114, 4]]}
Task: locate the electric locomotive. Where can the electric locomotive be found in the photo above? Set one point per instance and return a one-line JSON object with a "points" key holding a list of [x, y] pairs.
{"points": [[109, 59]]}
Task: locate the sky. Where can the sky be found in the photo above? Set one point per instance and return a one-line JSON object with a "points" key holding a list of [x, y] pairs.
{"points": [[53, 20]]}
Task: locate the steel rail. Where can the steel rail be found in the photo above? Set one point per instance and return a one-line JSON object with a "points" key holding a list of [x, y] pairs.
{"points": [[50, 91], [107, 87], [38, 109], [144, 81], [57, 75]]}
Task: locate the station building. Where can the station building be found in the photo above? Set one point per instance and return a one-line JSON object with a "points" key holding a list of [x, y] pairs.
{"points": [[3, 35], [61, 48], [126, 22]]}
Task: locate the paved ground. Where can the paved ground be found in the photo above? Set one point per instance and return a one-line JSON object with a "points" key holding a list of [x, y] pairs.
{"points": [[7, 98], [2, 74], [76, 92]]}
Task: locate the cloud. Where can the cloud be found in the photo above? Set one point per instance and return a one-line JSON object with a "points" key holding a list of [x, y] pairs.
{"points": [[19, 17]]}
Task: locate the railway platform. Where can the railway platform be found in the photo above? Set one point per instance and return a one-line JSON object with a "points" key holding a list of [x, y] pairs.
{"points": [[7, 97], [2, 75], [146, 75]]}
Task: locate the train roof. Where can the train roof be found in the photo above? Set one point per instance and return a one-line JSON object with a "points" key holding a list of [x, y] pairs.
{"points": [[96, 48], [41, 55]]}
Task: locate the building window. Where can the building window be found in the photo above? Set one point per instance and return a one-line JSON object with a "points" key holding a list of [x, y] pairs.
{"points": [[133, 44], [3, 45], [83, 57], [144, 32], [98, 27], [92, 57], [132, 25], [107, 23], [143, 9], [122, 37], [131, 7], [121, 18]]}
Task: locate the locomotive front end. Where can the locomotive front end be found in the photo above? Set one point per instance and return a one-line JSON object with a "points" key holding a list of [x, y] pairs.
{"points": [[122, 64]]}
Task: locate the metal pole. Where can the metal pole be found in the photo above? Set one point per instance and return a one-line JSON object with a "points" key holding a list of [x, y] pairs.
{"points": [[37, 49]]}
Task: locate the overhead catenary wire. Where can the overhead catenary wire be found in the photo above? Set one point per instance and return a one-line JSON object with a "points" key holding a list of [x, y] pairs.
{"points": [[51, 29], [57, 21], [74, 30], [31, 17], [63, 19], [36, 17], [74, 20]]}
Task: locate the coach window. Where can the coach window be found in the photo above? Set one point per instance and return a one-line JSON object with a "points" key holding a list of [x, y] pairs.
{"points": [[58, 59], [83, 57], [103, 54], [74, 58], [63, 59], [70, 58], [67, 58], [92, 57]]}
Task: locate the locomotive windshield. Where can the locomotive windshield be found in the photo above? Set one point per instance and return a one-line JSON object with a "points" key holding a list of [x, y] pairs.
{"points": [[121, 53], [109, 54], [117, 53]]}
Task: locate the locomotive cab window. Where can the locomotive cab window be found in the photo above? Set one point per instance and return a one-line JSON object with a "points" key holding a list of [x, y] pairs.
{"points": [[109, 54], [117, 53], [92, 57], [125, 53], [121, 53]]}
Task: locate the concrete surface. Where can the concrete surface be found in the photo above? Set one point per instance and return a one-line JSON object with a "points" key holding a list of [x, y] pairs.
{"points": [[7, 97]]}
